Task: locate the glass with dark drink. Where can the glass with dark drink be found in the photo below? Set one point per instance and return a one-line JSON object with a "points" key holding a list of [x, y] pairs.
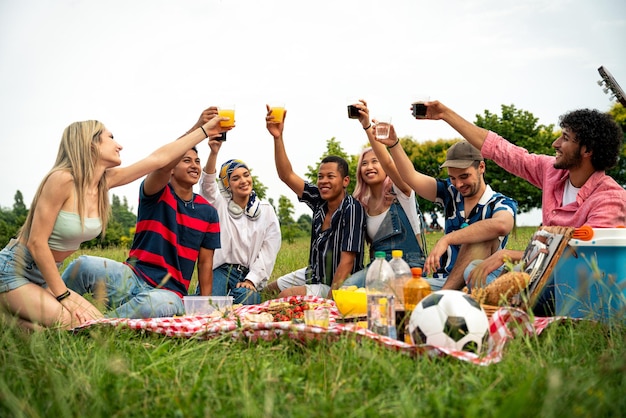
{"points": [[353, 112], [419, 107], [419, 110]]}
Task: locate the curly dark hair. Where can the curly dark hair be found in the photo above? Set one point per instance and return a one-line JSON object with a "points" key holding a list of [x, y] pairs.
{"points": [[598, 132]]}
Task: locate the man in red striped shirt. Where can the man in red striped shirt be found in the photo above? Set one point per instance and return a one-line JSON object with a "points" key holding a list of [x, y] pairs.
{"points": [[175, 229]]}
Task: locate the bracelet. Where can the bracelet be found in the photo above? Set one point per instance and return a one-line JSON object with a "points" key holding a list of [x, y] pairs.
{"points": [[63, 295], [397, 142], [370, 125], [205, 134]]}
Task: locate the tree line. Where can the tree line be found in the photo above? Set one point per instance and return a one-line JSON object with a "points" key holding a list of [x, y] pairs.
{"points": [[518, 126]]}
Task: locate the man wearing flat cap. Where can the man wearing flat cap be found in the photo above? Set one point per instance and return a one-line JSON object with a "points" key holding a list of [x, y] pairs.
{"points": [[477, 219]]}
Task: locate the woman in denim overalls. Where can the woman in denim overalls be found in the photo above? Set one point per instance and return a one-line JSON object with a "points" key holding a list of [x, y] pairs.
{"points": [[393, 217]]}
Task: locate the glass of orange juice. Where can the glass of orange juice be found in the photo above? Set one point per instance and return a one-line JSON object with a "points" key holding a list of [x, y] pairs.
{"points": [[317, 318], [227, 112], [277, 111]]}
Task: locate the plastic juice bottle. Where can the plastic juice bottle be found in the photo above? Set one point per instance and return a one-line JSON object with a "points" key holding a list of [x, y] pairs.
{"points": [[402, 274], [381, 313], [415, 290]]}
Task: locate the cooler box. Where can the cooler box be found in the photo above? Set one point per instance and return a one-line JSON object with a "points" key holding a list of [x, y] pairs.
{"points": [[590, 277]]}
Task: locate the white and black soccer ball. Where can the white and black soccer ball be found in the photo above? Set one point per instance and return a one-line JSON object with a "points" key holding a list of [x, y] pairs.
{"points": [[450, 319]]}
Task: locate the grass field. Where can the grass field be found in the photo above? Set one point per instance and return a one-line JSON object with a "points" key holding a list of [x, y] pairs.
{"points": [[573, 369]]}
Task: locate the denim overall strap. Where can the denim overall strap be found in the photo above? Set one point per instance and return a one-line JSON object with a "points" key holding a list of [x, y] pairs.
{"points": [[396, 233]]}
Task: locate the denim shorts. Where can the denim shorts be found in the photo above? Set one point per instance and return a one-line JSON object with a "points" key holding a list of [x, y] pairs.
{"points": [[17, 268]]}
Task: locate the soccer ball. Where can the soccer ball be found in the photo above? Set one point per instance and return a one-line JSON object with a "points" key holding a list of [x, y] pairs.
{"points": [[450, 319]]}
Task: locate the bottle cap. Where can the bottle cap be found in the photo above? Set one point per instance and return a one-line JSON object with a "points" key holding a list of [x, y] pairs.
{"points": [[416, 271], [380, 254], [396, 253]]}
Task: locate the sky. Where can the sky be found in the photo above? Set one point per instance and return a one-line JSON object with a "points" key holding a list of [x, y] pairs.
{"points": [[147, 69]]}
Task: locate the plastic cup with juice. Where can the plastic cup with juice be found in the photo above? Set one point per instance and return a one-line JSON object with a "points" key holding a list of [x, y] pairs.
{"points": [[227, 112], [277, 111]]}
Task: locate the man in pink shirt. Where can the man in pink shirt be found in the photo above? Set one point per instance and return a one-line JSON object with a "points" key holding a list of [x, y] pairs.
{"points": [[576, 189]]}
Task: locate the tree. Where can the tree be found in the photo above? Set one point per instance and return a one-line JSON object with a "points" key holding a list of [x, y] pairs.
{"points": [[619, 172], [288, 228], [304, 223], [333, 147], [285, 211], [120, 229], [12, 220], [122, 213], [259, 188], [19, 208], [519, 127], [427, 158]]}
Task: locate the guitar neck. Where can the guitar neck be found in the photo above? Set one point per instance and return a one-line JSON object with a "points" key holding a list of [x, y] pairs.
{"points": [[611, 84]]}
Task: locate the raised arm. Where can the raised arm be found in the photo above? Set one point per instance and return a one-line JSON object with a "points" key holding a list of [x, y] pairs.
{"points": [[379, 149], [167, 154], [425, 186], [475, 135], [211, 163], [283, 165], [207, 183]]}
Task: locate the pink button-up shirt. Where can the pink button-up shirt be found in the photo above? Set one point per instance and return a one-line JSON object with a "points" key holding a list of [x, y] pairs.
{"points": [[600, 203]]}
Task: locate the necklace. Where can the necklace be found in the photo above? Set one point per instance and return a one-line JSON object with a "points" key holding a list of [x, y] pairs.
{"points": [[188, 202], [465, 223]]}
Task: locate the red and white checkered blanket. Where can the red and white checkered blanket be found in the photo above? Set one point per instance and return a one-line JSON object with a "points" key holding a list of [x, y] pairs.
{"points": [[504, 324]]}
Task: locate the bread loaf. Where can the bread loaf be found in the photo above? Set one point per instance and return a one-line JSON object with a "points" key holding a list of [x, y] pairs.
{"points": [[502, 290]]}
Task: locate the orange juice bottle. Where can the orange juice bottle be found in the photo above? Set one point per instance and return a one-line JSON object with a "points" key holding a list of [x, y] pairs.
{"points": [[416, 289]]}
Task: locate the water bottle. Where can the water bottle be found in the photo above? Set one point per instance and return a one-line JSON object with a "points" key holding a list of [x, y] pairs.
{"points": [[402, 274], [381, 312]]}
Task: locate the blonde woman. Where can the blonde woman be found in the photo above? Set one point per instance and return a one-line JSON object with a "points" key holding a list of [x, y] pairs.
{"points": [[71, 206]]}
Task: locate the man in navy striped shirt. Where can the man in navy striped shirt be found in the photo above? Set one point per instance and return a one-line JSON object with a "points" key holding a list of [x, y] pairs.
{"points": [[477, 219], [338, 225]]}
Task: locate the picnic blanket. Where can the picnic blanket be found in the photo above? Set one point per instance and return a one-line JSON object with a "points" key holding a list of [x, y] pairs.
{"points": [[504, 324]]}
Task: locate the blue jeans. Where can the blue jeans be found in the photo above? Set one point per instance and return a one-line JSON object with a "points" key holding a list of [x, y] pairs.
{"points": [[437, 281], [127, 296], [357, 279], [490, 277], [225, 279]]}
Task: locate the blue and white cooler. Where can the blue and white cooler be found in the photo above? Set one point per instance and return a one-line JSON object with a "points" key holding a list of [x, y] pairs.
{"points": [[590, 277]]}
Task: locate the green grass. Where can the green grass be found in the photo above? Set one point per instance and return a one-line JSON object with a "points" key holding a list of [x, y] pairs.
{"points": [[573, 369]]}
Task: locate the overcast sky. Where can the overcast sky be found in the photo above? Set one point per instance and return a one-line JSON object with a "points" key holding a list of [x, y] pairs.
{"points": [[147, 68]]}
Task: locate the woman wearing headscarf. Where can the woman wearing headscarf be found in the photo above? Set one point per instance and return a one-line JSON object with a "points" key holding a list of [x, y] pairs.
{"points": [[250, 232]]}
